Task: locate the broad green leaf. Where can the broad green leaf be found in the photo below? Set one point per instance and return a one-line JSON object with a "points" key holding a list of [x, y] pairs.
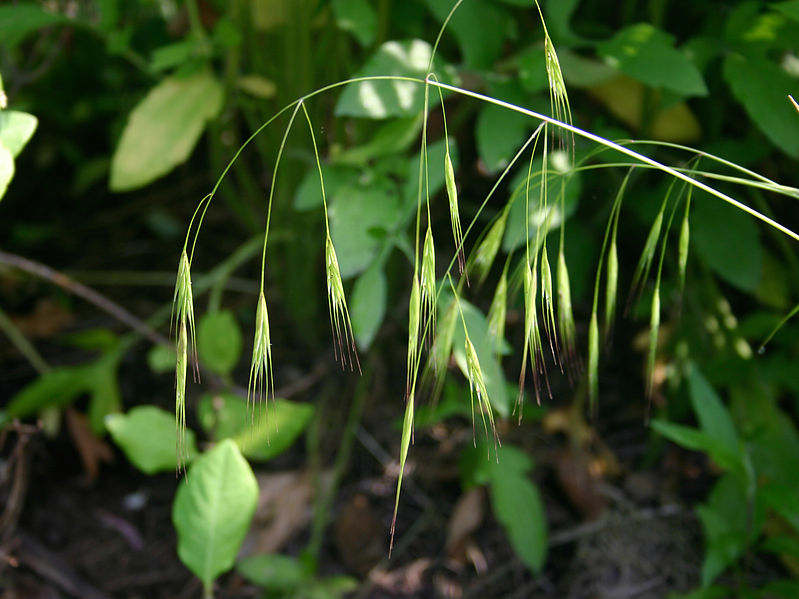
{"points": [[19, 20], [368, 305], [648, 54], [359, 217], [733, 251], [148, 436], [518, 506], [725, 526], [558, 14], [583, 72], [56, 388], [480, 27], [389, 139], [358, 18], [219, 341], [173, 55], [484, 345], [161, 359], [532, 70], [260, 431], [696, 440], [714, 418], [789, 9], [436, 177], [62, 386], [16, 128], [763, 87], [309, 192], [212, 511], [384, 99], [6, 168], [784, 500], [272, 571], [500, 133], [163, 129]]}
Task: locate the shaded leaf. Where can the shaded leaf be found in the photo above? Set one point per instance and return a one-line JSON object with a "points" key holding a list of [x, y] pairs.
{"points": [[163, 129], [368, 305], [762, 87], [260, 433], [357, 17], [358, 216], [147, 436], [500, 133], [733, 251], [648, 54], [219, 341], [479, 27], [19, 20], [272, 571], [212, 513]]}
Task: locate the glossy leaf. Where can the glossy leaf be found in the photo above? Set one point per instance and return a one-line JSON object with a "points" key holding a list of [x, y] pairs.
{"points": [[384, 99], [147, 436], [219, 341], [212, 511], [163, 129]]}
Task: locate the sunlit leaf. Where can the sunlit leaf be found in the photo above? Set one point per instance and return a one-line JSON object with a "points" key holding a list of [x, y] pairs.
{"points": [[147, 435], [212, 511], [163, 129]]}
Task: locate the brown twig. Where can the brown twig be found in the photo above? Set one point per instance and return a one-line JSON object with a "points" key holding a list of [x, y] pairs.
{"points": [[90, 295]]}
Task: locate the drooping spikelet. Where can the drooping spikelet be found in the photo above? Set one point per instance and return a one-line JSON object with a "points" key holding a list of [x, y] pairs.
{"points": [[337, 308], [261, 379], [454, 214], [428, 288], [183, 314]]}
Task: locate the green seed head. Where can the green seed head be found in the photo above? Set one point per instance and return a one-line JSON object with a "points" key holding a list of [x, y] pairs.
{"points": [[337, 308]]}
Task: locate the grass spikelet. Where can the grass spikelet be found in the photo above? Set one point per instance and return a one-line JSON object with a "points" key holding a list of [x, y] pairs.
{"points": [[497, 312], [407, 434], [261, 379], [442, 346], [454, 215], [180, 394], [645, 262], [532, 336], [593, 363], [558, 97], [611, 285], [487, 250], [548, 305], [654, 327], [337, 307], [477, 387], [183, 313], [414, 326], [566, 327], [683, 243], [428, 287]]}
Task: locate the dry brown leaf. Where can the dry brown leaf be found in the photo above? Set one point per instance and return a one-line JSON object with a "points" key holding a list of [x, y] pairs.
{"points": [[91, 448], [284, 508], [48, 318], [466, 518], [580, 480]]}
